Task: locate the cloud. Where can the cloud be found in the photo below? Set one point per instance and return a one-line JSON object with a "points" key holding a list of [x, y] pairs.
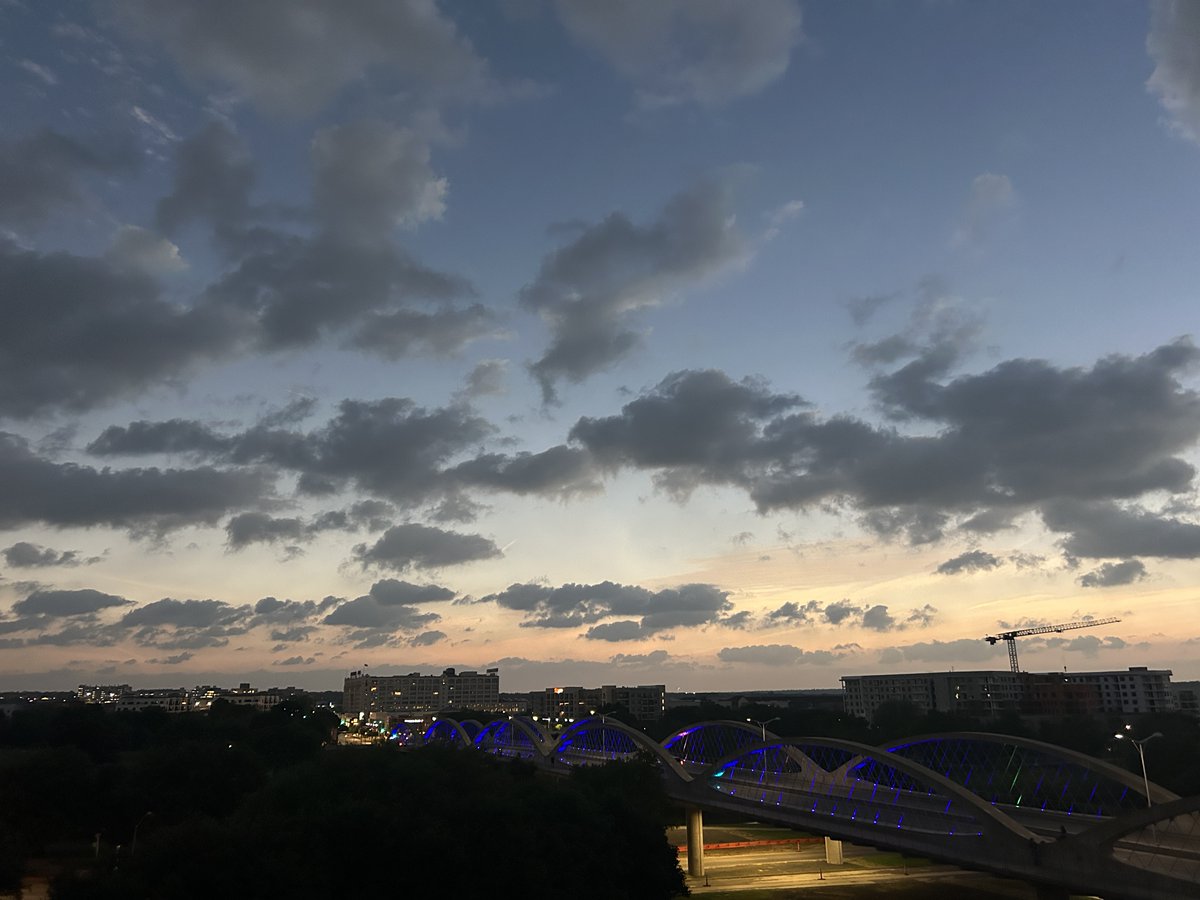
{"points": [[1114, 574], [173, 613], [1172, 44], [777, 655], [254, 527], [292, 57], [641, 612], [877, 618], [144, 501], [421, 546], [682, 51], [389, 606], [1106, 529], [971, 561], [81, 331], [55, 603], [1022, 436], [961, 650], [427, 639], [24, 555], [175, 660], [389, 447], [487, 378], [44, 173], [144, 251], [371, 176], [295, 661], [214, 175], [588, 291], [991, 201]]}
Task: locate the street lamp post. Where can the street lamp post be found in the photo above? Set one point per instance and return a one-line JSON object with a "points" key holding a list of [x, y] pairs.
{"points": [[1140, 744], [763, 725]]}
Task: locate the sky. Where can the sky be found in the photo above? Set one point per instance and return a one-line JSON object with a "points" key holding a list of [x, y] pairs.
{"points": [[721, 345]]}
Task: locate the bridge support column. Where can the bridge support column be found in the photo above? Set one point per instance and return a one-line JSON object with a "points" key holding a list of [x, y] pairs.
{"points": [[695, 841], [833, 852]]}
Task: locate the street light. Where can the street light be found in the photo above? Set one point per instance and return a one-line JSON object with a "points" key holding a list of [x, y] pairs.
{"points": [[1141, 754], [763, 725], [133, 843]]}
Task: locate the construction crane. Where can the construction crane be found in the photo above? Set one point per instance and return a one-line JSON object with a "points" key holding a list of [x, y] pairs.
{"points": [[1010, 637]]}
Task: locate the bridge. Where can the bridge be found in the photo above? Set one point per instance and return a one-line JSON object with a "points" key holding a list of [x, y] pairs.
{"points": [[1009, 806]]}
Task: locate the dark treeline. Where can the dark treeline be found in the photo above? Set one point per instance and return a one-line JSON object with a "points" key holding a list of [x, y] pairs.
{"points": [[263, 805]]}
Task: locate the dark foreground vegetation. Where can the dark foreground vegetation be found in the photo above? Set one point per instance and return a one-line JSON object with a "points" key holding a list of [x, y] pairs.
{"points": [[262, 805]]}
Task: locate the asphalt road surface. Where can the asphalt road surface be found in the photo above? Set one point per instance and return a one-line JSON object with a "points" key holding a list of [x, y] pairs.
{"points": [[799, 870]]}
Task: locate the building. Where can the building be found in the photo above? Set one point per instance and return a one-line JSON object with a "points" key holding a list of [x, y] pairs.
{"points": [[173, 701], [647, 702], [101, 693], [987, 694], [1139, 690], [379, 696], [202, 698]]}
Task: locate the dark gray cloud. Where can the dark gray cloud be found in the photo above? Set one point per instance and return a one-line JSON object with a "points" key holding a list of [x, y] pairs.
{"points": [[845, 613], [214, 176], [1023, 436], [24, 555], [174, 660], [427, 639], [255, 527], [367, 613], [298, 289], [624, 630], [370, 177], [389, 447], [1114, 574], [44, 173], [588, 290], [793, 613], [1176, 76], [971, 561], [404, 547], [1106, 529], [683, 52], [144, 501], [292, 57], [168, 624], [55, 603], [80, 331], [694, 428], [641, 612], [390, 591], [877, 618], [560, 471], [778, 655]]}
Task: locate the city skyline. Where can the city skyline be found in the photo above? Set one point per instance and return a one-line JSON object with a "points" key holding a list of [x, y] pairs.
{"points": [[726, 346]]}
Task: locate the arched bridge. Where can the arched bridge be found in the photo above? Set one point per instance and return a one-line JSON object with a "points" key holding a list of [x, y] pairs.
{"points": [[994, 803]]}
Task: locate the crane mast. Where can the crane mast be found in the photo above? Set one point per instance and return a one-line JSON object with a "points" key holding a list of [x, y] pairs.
{"points": [[1010, 637]]}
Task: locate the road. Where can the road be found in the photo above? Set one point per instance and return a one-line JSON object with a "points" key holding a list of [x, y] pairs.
{"points": [[789, 870]]}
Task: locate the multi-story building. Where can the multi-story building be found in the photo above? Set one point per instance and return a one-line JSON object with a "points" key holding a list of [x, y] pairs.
{"points": [[376, 696], [987, 694], [101, 693], [173, 701], [1138, 690], [202, 698], [647, 702]]}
